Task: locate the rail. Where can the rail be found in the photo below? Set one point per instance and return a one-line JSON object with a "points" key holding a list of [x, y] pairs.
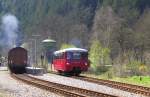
{"points": [[118, 85], [67, 91]]}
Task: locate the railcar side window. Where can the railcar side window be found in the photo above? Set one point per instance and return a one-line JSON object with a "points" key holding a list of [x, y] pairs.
{"points": [[69, 55], [59, 56]]}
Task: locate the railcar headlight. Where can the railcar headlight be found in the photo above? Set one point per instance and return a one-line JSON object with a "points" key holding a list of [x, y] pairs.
{"points": [[67, 63]]}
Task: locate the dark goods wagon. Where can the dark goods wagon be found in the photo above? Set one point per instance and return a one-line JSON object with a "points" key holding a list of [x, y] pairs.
{"points": [[17, 60]]}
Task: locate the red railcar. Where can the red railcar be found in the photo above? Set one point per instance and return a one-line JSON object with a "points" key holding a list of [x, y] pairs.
{"points": [[71, 60], [17, 60]]}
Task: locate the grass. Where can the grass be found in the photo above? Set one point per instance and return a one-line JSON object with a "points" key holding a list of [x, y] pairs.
{"points": [[136, 80]]}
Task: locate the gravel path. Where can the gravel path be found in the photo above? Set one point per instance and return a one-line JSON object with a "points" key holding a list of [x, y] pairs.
{"points": [[14, 88], [86, 85]]}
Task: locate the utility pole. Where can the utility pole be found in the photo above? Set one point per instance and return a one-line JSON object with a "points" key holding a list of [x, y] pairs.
{"points": [[32, 59], [30, 52], [35, 48]]}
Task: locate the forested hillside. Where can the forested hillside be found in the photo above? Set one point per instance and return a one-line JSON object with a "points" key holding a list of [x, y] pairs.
{"points": [[118, 30]]}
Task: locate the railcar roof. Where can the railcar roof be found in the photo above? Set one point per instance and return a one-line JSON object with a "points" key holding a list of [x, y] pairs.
{"points": [[33, 68], [70, 49], [16, 48], [48, 40]]}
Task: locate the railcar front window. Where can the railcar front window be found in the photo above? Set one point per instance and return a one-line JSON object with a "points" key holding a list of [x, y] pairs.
{"points": [[69, 55], [76, 55], [73, 55]]}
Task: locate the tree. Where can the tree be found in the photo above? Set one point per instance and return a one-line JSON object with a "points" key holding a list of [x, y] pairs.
{"points": [[105, 23], [105, 28], [142, 35], [64, 46]]}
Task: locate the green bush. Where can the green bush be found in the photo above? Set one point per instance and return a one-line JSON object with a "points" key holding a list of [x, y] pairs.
{"points": [[136, 68], [94, 54], [99, 57]]}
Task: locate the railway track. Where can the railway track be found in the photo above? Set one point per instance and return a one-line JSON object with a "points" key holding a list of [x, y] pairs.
{"points": [[67, 91], [118, 85]]}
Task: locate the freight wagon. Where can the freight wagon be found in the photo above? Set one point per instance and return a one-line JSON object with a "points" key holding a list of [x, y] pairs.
{"points": [[17, 60]]}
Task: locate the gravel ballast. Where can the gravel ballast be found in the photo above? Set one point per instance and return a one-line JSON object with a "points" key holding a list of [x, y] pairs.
{"points": [[14, 88], [86, 85]]}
